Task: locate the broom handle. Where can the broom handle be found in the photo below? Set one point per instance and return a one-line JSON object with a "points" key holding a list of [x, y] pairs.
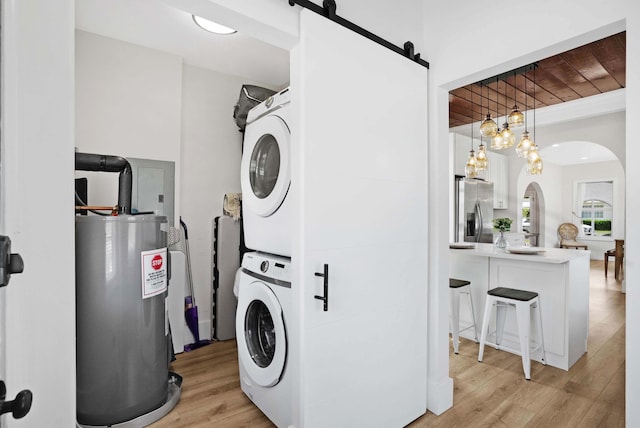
{"points": [[186, 247]]}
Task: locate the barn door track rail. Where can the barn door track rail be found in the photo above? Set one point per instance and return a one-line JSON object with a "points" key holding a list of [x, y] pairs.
{"points": [[328, 10]]}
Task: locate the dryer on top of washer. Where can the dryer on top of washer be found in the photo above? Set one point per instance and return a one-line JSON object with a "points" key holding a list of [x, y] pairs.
{"points": [[265, 176]]}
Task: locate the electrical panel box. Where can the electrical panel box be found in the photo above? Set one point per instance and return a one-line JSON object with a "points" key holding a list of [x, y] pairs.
{"points": [[153, 187]]}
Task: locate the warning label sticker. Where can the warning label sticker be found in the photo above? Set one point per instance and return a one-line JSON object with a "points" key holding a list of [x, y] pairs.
{"points": [[154, 272]]}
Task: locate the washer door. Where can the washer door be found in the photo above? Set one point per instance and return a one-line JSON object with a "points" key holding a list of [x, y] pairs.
{"points": [[265, 169], [260, 332]]}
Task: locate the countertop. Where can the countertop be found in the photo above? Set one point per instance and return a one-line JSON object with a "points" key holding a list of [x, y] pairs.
{"points": [[547, 255]]}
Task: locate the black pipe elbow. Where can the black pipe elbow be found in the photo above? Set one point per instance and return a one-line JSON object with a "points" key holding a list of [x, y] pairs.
{"points": [[106, 163]]}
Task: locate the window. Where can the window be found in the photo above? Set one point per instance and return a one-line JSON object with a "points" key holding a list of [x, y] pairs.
{"points": [[596, 210]]}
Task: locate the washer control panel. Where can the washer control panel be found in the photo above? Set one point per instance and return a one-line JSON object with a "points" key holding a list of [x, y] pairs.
{"points": [[269, 265]]}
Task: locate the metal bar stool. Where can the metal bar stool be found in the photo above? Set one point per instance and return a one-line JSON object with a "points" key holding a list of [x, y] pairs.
{"points": [[457, 288], [523, 302]]}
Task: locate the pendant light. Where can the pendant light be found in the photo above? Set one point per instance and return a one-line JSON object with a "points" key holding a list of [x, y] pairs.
{"points": [[481, 157], [471, 168], [534, 161], [534, 164], [496, 141], [505, 138], [516, 118], [525, 144], [488, 128], [508, 137]]}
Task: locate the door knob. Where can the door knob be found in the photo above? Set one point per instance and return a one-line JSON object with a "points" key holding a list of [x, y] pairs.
{"points": [[19, 406]]}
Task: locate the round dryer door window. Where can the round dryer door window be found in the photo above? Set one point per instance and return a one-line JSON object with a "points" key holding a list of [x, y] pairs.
{"points": [[265, 166], [260, 332], [265, 172]]}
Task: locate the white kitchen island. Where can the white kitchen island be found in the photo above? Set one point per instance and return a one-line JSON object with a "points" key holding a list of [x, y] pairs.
{"points": [[559, 276]]}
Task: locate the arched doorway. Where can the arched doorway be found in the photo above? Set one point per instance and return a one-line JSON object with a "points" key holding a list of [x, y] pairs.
{"points": [[533, 215]]}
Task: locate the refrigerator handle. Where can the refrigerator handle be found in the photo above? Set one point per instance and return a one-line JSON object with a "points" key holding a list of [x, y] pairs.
{"points": [[479, 219]]}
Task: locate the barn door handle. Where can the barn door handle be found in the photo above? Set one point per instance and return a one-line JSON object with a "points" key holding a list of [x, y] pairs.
{"points": [[325, 297]]}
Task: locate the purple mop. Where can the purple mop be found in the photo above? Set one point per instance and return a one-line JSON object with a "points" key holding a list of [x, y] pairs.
{"points": [[190, 308]]}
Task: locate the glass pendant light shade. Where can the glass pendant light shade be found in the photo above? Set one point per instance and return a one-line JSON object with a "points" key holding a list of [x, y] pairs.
{"points": [[516, 118], [471, 168], [488, 128], [481, 158], [496, 142], [534, 161], [508, 137], [524, 146]]}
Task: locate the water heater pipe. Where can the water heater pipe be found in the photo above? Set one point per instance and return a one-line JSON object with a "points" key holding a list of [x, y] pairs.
{"points": [[106, 163]]}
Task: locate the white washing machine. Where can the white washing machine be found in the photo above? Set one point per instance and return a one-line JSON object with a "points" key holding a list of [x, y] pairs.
{"points": [[266, 176], [264, 305]]}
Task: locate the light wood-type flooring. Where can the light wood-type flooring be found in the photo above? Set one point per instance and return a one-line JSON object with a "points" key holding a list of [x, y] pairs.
{"points": [[493, 393]]}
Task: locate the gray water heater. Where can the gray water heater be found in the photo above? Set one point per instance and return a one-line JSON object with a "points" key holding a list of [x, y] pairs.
{"points": [[122, 344]]}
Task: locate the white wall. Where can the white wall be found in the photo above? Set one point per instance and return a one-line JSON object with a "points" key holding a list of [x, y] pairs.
{"points": [[460, 61], [211, 152], [606, 130], [128, 103], [603, 171]]}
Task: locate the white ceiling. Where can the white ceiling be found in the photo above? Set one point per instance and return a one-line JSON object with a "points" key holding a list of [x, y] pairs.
{"points": [[156, 25]]}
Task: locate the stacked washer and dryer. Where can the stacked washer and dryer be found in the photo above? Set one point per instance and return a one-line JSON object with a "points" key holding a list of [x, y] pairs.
{"points": [[264, 279]]}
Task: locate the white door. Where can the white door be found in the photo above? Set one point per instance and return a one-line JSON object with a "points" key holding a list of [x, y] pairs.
{"points": [[36, 182], [359, 144]]}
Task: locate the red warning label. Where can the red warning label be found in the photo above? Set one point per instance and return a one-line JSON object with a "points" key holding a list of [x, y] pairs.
{"points": [[154, 272]]}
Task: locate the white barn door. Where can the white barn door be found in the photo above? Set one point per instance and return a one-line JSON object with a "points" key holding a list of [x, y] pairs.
{"points": [[360, 178]]}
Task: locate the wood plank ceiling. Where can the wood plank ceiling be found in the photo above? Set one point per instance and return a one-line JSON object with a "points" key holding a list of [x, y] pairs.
{"points": [[587, 70]]}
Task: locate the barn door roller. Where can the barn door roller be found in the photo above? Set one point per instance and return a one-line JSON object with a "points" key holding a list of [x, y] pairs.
{"points": [[328, 10]]}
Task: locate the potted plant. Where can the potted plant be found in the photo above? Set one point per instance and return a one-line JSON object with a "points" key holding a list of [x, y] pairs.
{"points": [[502, 224]]}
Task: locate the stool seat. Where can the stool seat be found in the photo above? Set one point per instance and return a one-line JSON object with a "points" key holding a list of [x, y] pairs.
{"points": [[512, 293], [457, 283]]}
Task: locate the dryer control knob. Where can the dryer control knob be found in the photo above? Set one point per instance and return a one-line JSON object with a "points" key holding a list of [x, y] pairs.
{"points": [[264, 266]]}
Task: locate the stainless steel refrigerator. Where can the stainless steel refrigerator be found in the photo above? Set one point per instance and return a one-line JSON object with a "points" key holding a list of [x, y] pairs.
{"points": [[473, 210]]}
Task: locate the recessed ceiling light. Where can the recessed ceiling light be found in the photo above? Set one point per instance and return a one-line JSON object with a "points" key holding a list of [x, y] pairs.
{"points": [[584, 158], [555, 145], [212, 27]]}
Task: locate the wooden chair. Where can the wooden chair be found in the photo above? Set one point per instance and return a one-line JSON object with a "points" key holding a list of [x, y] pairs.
{"points": [[568, 233], [618, 254]]}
